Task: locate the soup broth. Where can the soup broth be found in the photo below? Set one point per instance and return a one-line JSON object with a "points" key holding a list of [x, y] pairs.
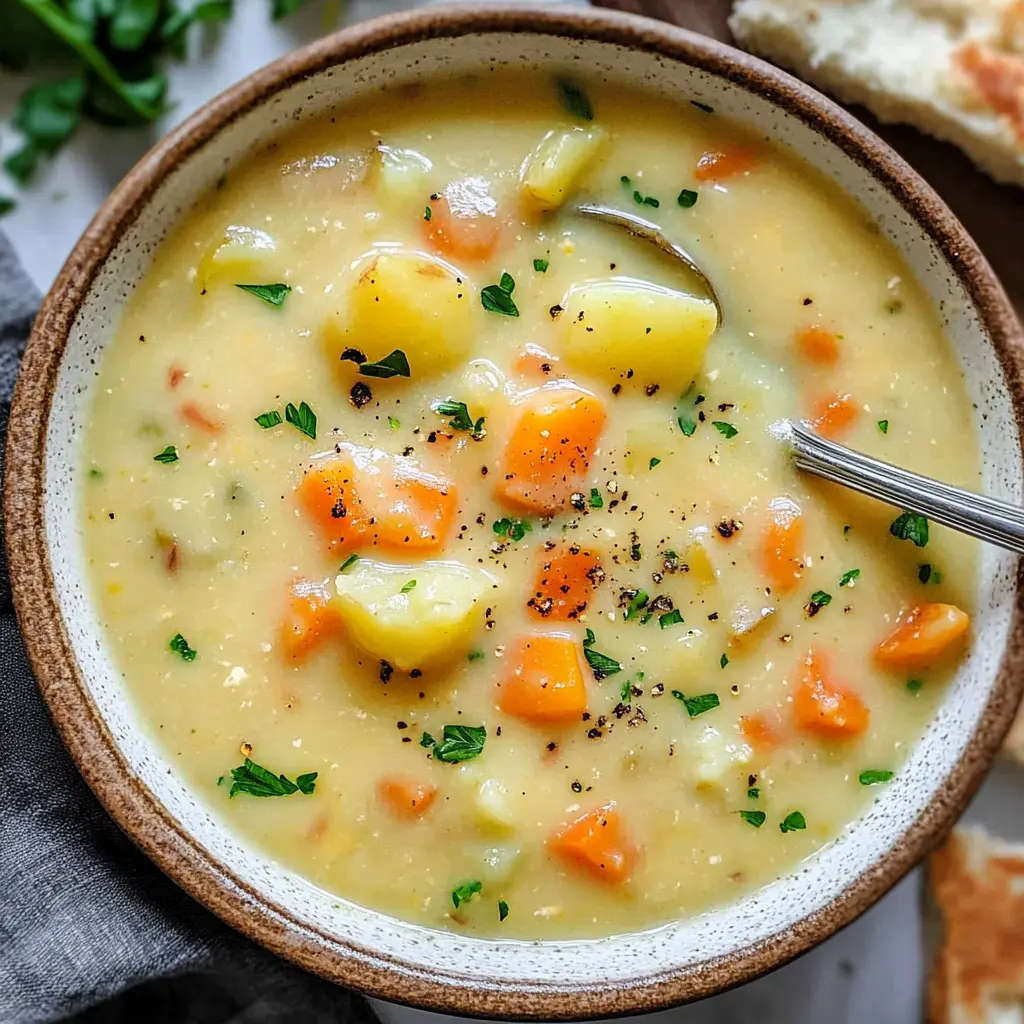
{"points": [[403, 473]]}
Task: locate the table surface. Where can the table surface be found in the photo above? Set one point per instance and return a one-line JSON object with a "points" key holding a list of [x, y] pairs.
{"points": [[872, 971]]}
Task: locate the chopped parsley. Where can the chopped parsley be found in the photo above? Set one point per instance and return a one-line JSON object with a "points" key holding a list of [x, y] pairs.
{"points": [[846, 580], [393, 365], [167, 456], [600, 664], [502, 910], [271, 418], [596, 501], [704, 107], [513, 529], [541, 266], [654, 462], [428, 741], [626, 692], [927, 573], [755, 818], [793, 822], [575, 100], [698, 705], [883, 426], [407, 587], [348, 563], [753, 793], [274, 294], [727, 430], [255, 780], [687, 423], [910, 526], [913, 685], [672, 618], [476, 655], [873, 776], [819, 599], [95, 474], [497, 298], [393, 423], [460, 417], [179, 645], [636, 605], [427, 214], [642, 200], [465, 892], [723, 660], [687, 198], [461, 743], [303, 419]]}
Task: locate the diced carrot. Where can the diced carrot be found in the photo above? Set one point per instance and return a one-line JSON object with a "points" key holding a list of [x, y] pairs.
{"points": [[923, 635], [363, 497], [998, 77], [535, 362], [464, 221], [825, 708], [549, 451], [194, 416], [719, 165], [406, 798], [544, 681], [566, 577], [597, 843], [758, 732], [175, 375], [782, 545], [309, 621], [832, 415], [817, 344]]}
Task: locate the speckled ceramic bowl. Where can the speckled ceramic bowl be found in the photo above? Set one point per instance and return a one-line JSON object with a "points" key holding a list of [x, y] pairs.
{"points": [[133, 777]]}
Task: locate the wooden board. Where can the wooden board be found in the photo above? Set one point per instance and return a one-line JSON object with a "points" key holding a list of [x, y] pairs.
{"points": [[993, 214]]}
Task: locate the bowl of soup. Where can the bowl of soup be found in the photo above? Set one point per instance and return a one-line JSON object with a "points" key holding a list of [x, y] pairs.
{"points": [[410, 560]]}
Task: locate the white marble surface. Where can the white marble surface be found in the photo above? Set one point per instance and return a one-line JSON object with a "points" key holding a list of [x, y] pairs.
{"points": [[871, 972]]}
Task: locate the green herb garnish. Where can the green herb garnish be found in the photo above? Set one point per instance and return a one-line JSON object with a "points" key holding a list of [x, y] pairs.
{"points": [[753, 793], [687, 423], [269, 419], [883, 426], [461, 743], [600, 664], [727, 430], [672, 618], [475, 655], [702, 106], [910, 526], [541, 266], [179, 645], [502, 910], [497, 298], [274, 294], [698, 705], [95, 474], [819, 599], [636, 605], [460, 417], [255, 780], [793, 822], [654, 462], [687, 198], [846, 580], [303, 419], [465, 892], [513, 529], [596, 501], [407, 587], [723, 660], [626, 692], [427, 741], [348, 563], [913, 685], [427, 214], [642, 200], [873, 776], [755, 818], [167, 456], [575, 100], [393, 365], [393, 423]]}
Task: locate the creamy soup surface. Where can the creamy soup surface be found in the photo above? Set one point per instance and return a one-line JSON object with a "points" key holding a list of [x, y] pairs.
{"points": [[483, 522]]}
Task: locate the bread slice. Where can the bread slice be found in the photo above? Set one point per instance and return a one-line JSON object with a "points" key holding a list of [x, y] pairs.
{"points": [[976, 930], [953, 68]]}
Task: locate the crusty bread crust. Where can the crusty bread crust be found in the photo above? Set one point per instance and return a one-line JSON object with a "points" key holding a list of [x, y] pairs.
{"points": [[953, 68]]}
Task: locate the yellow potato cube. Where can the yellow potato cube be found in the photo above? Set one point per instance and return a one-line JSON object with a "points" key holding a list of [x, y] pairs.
{"points": [[612, 327], [402, 174], [492, 806], [408, 301], [484, 387], [412, 616], [243, 255], [553, 169], [718, 763], [698, 558]]}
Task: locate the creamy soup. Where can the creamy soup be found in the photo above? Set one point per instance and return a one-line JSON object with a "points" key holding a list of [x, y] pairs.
{"points": [[442, 537]]}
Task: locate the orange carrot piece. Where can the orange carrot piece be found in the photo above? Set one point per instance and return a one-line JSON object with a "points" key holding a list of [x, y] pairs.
{"points": [[194, 416], [549, 451], [363, 497], [720, 165], [175, 375], [464, 221], [834, 414], [406, 798], [782, 545], [309, 621], [817, 344], [597, 843], [923, 635], [544, 681], [535, 362], [758, 732], [825, 708], [566, 577]]}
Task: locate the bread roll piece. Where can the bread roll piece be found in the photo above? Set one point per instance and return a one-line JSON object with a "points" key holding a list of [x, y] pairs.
{"points": [[953, 68], [975, 902]]}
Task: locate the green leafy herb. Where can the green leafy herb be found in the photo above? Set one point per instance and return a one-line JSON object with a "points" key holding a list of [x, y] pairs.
{"points": [[755, 818], [167, 456], [475, 655], [303, 419], [465, 892], [636, 605], [427, 741], [47, 116], [687, 198], [687, 423], [255, 780], [819, 599], [269, 419], [393, 423], [393, 365], [275, 294], [497, 298], [626, 692], [727, 430], [883, 426], [753, 793], [698, 705], [407, 587], [596, 501], [513, 529], [702, 107], [502, 910], [461, 743], [600, 664], [348, 563], [910, 526], [95, 474], [672, 618], [723, 660], [846, 580], [541, 266], [575, 100], [6, 205], [642, 200], [793, 822], [873, 776], [460, 417], [654, 462], [924, 572], [282, 8], [913, 685], [426, 213], [179, 645]]}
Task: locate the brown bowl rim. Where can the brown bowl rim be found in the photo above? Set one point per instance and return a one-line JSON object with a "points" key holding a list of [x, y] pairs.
{"points": [[134, 807]]}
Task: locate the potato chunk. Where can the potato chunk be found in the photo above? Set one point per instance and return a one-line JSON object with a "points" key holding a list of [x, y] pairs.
{"points": [[412, 615], [243, 255], [408, 301], [402, 174], [557, 164], [613, 327]]}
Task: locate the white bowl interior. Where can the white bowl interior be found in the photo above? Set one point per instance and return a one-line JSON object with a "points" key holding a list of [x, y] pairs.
{"points": [[565, 964]]}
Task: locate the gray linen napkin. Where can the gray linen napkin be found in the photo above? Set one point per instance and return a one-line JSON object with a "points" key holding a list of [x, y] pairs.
{"points": [[84, 916]]}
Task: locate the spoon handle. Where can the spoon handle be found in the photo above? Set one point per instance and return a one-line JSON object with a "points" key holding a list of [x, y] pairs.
{"points": [[977, 515]]}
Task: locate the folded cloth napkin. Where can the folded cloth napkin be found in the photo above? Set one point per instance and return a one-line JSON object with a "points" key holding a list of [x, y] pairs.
{"points": [[84, 916]]}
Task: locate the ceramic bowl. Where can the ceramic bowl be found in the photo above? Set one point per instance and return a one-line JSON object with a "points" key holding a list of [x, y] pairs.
{"points": [[347, 943]]}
